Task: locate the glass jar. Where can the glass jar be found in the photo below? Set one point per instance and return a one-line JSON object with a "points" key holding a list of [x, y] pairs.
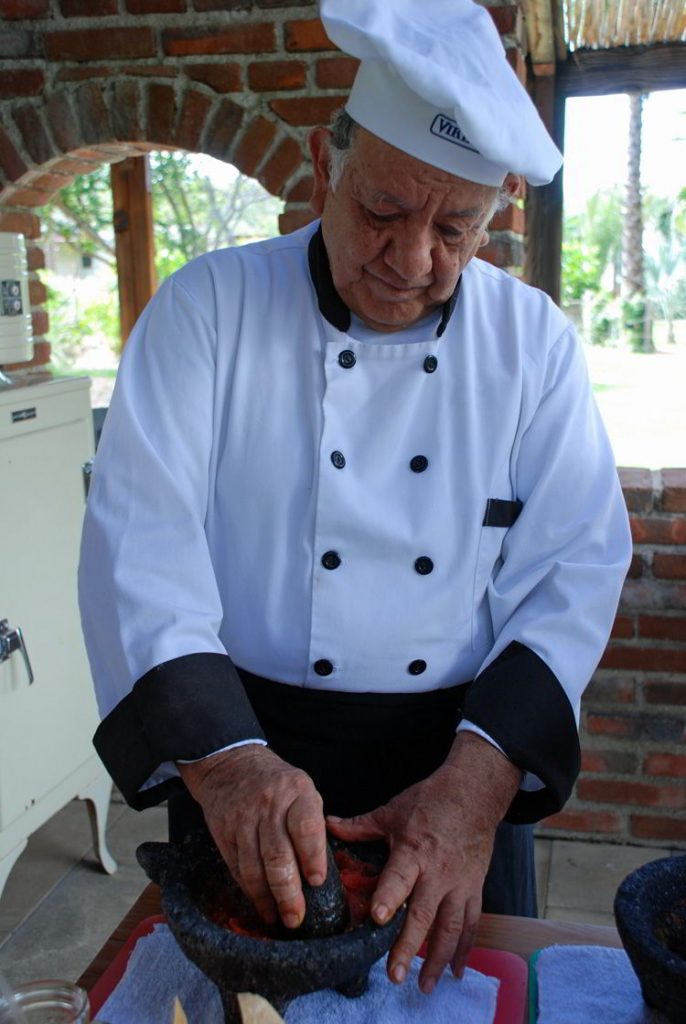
{"points": [[52, 1002]]}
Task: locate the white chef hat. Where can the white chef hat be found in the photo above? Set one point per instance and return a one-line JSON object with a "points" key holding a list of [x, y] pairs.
{"points": [[435, 82]]}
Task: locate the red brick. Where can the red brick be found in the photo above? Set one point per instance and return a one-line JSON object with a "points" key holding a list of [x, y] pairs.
{"points": [[101, 43], [301, 191], [612, 791], [20, 221], [622, 727], [636, 568], [88, 8], [41, 356], [220, 77], [504, 18], [623, 627], [41, 322], [81, 74], [503, 252], [36, 141], [286, 3], [11, 162], [155, 6], [63, 122], [637, 485], [223, 130], [18, 82], [35, 257], [14, 9], [93, 113], [658, 531], [658, 595], [268, 75], [674, 490], [615, 762], [281, 165], [291, 220], [663, 627], [30, 197], [307, 110], [50, 182], [124, 108], [645, 826], [194, 111], [665, 691], [512, 218], [38, 293], [161, 111], [584, 821], [336, 72], [610, 690], [672, 765], [645, 659], [669, 567], [222, 5], [307, 35], [67, 165], [258, 38], [255, 142]]}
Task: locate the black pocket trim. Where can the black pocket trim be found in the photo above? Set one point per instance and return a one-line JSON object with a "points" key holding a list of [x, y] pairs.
{"points": [[521, 704], [501, 513], [183, 709]]}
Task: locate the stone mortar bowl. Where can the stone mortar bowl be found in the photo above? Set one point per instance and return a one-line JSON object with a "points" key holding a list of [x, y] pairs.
{"points": [[650, 911], [195, 882]]}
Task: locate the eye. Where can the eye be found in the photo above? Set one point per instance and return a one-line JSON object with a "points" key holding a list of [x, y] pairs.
{"points": [[382, 218], [450, 233]]}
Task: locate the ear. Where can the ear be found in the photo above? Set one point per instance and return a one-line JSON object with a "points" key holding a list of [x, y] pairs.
{"points": [[319, 151], [514, 185]]}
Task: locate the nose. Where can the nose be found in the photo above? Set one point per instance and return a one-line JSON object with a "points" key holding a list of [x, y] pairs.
{"points": [[409, 253]]}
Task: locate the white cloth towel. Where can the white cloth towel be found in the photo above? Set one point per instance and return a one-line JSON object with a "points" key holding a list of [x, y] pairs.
{"points": [[587, 985], [157, 971]]}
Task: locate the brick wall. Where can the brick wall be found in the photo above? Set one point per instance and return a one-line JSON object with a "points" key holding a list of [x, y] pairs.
{"points": [[632, 785], [87, 81]]}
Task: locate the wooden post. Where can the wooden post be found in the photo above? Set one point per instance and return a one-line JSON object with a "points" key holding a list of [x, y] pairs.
{"points": [[134, 239]]}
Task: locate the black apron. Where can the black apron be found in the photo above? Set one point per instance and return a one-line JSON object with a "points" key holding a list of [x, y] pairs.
{"points": [[361, 749]]}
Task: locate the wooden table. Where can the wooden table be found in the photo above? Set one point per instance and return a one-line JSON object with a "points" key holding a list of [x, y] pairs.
{"points": [[520, 935]]}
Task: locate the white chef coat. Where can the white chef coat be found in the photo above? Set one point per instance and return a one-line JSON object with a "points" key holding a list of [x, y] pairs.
{"points": [[217, 502]]}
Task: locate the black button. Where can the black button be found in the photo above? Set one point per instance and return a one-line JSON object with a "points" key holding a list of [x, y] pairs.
{"points": [[415, 668], [424, 565], [430, 364], [323, 667], [419, 463], [347, 359], [338, 459], [331, 560]]}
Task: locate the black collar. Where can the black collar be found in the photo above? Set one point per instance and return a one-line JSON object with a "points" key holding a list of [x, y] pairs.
{"points": [[331, 305]]}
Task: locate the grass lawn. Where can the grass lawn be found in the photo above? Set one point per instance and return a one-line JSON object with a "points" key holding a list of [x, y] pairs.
{"points": [[642, 399]]}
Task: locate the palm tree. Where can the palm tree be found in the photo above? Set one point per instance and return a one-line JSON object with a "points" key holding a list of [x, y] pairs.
{"points": [[637, 322]]}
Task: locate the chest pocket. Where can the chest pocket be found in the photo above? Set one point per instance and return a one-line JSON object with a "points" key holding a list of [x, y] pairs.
{"points": [[498, 518]]}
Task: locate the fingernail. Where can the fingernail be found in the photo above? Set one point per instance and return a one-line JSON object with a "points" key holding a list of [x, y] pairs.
{"points": [[399, 974], [381, 913], [428, 985], [333, 818], [316, 880], [291, 920]]}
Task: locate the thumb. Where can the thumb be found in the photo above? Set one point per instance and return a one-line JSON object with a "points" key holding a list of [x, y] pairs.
{"points": [[362, 826]]}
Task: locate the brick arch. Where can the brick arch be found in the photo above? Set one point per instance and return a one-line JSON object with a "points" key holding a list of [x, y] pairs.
{"points": [[46, 142]]}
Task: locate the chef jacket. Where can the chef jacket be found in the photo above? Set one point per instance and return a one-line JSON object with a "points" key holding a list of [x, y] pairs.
{"points": [[362, 515]]}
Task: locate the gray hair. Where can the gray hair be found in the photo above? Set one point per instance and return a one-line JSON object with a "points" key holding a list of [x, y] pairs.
{"points": [[343, 132]]}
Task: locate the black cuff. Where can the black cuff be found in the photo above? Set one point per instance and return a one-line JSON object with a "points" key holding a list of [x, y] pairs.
{"points": [[183, 709], [521, 704]]}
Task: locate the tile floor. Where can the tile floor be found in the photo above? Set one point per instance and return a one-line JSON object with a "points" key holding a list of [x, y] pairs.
{"points": [[58, 907]]}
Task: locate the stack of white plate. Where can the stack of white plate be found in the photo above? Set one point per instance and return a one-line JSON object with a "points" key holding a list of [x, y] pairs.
{"points": [[16, 333]]}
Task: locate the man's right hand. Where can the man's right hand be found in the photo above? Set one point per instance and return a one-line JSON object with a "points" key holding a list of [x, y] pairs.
{"points": [[266, 818]]}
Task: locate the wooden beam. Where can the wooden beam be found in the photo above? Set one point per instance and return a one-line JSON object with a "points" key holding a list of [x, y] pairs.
{"points": [[539, 32], [134, 239], [623, 69], [542, 264]]}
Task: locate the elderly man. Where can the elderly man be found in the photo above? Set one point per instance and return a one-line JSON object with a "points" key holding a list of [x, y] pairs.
{"points": [[355, 539]]}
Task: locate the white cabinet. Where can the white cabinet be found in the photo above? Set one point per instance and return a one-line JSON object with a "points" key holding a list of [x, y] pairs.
{"points": [[46, 724]]}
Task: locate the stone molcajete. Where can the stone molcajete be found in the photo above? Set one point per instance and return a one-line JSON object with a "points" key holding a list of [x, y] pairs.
{"points": [[325, 952], [650, 911]]}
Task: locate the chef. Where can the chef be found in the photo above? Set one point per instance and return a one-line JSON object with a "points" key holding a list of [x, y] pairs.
{"points": [[355, 539]]}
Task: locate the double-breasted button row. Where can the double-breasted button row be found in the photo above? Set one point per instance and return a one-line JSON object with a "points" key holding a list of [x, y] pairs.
{"points": [[347, 360], [323, 667], [423, 565], [418, 463]]}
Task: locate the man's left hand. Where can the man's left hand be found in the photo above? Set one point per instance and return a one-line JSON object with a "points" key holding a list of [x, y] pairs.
{"points": [[440, 833]]}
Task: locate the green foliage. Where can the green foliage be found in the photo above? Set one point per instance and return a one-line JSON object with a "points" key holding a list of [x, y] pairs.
{"points": [[77, 325]]}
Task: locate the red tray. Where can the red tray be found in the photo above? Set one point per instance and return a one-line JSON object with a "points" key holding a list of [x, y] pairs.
{"points": [[510, 969]]}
